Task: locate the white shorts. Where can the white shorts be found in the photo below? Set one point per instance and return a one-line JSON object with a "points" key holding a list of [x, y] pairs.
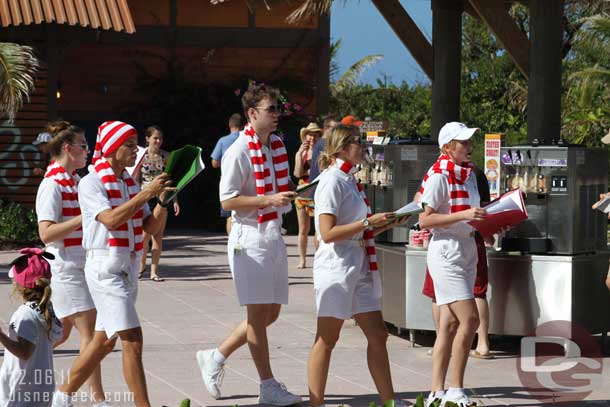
{"points": [[452, 262], [113, 283], [259, 266], [68, 284], [343, 285]]}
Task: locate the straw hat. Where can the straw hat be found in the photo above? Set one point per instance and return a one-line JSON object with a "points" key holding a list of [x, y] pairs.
{"points": [[311, 128]]}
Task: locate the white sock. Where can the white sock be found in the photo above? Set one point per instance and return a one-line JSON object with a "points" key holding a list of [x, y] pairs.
{"points": [[218, 357], [268, 382], [61, 398], [454, 392]]}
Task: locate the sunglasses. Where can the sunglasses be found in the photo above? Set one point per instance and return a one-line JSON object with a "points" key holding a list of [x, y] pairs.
{"points": [[357, 140], [83, 146], [270, 109]]}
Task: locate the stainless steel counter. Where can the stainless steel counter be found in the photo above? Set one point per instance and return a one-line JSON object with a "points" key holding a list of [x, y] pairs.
{"points": [[524, 290]]}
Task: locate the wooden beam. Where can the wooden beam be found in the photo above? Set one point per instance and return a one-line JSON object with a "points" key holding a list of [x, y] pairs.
{"points": [[407, 31], [516, 43]]}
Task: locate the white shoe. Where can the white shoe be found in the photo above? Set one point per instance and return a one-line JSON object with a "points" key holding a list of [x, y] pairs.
{"points": [[61, 400], [211, 372], [277, 395], [104, 403], [431, 399], [461, 400]]}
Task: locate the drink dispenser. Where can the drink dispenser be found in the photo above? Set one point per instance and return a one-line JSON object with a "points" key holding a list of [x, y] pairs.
{"points": [[559, 183]]}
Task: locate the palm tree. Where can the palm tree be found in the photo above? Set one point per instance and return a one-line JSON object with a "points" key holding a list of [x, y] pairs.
{"points": [[350, 77], [598, 32], [17, 68]]}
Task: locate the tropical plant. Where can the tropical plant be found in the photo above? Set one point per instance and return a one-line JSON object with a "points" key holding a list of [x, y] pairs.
{"points": [[18, 65], [349, 78]]}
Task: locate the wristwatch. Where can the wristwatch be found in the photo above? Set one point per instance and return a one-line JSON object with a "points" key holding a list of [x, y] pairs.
{"points": [[366, 223]]}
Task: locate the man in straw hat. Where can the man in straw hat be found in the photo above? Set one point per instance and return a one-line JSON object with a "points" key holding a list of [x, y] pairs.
{"points": [[255, 186], [115, 213]]}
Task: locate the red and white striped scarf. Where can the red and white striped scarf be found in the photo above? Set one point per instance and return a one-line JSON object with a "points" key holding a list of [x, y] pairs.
{"points": [[368, 235], [120, 238], [69, 199], [262, 170], [456, 177]]}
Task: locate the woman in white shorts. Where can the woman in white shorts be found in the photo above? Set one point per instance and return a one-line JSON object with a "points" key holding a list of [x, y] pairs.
{"points": [[450, 191], [346, 280], [59, 227]]}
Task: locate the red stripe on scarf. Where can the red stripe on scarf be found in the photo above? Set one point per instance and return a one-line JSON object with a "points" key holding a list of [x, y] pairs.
{"points": [[456, 177], [69, 199]]}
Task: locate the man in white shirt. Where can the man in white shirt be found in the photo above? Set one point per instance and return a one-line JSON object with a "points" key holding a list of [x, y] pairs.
{"points": [[255, 186], [114, 214]]}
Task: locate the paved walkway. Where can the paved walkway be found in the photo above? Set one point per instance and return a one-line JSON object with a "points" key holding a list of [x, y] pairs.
{"points": [[196, 307]]}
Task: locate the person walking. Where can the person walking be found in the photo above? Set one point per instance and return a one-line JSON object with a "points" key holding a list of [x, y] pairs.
{"points": [[255, 186], [114, 214], [60, 228], [305, 208], [235, 125], [451, 194], [346, 280], [153, 164]]}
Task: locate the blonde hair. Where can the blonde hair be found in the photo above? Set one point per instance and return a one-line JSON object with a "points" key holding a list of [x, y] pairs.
{"points": [[340, 136], [41, 295], [449, 146]]}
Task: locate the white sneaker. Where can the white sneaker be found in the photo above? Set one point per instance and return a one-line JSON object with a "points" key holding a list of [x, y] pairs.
{"points": [[61, 400], [104, 403], [277, 395], [461, 400], [431, 399], [211, 372]]}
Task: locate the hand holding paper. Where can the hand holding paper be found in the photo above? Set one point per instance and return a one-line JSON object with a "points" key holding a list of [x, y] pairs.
{"points": [[508, 210], [412, 208], [183, 165], [603, 204]]}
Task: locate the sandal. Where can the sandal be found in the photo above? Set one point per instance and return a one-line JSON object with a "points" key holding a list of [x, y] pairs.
{"points": [[141, 273], [478, 355], [157, 279]]}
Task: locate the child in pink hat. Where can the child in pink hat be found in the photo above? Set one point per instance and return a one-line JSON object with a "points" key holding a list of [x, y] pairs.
{"points": [[26, 376]]}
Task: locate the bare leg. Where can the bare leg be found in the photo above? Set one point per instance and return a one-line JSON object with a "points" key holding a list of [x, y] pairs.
{"points": [[436, 315], [133, 369], [318, 362], [442, 347], [466, 314], [145, 242], [258, 315], [65, 333], [304, 226], [238, 337], [157, 248], [85, 325], [88, 361], [483, 331], [376, 334]]}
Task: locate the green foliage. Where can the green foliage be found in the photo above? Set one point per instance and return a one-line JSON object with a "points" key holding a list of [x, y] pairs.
{"points": [[17, 68], [17, 223]]}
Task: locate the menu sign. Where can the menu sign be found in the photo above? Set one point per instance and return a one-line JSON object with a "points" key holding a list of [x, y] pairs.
{"points": [[493, 142]]}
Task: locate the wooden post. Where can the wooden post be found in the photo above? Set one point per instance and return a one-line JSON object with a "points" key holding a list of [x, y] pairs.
{"points": [[447, 48], [544, 85], [323, 66]]}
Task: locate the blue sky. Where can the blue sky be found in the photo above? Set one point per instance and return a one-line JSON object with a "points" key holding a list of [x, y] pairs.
{"points": [[364, 32]]}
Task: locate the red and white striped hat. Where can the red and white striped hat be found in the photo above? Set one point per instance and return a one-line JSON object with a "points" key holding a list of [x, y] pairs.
{"points": [[110, 136]]}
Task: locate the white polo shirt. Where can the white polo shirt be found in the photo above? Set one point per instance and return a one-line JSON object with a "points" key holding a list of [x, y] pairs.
{"points": [[436, 195], [237, 179], [337, 194], [93, 200]]}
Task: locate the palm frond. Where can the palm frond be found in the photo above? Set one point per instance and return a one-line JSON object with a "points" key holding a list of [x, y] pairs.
{"points": [[595, 72], [599, 24], [350, 77], [311, 8], [17, 68], [333, 70]]}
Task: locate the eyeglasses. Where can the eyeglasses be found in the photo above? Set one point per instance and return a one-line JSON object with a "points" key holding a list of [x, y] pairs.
{"points": [[83, 146], [356, 140], [270, 109]]}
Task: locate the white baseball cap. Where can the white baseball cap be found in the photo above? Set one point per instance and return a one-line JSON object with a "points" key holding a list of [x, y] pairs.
{"points": [[455, 131], [42, 138]]}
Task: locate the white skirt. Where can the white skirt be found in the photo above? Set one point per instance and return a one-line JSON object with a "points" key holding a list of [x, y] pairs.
{"points": [[113, 282], [259, 265], [70, 293], [452, 262], [343, 284]]}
